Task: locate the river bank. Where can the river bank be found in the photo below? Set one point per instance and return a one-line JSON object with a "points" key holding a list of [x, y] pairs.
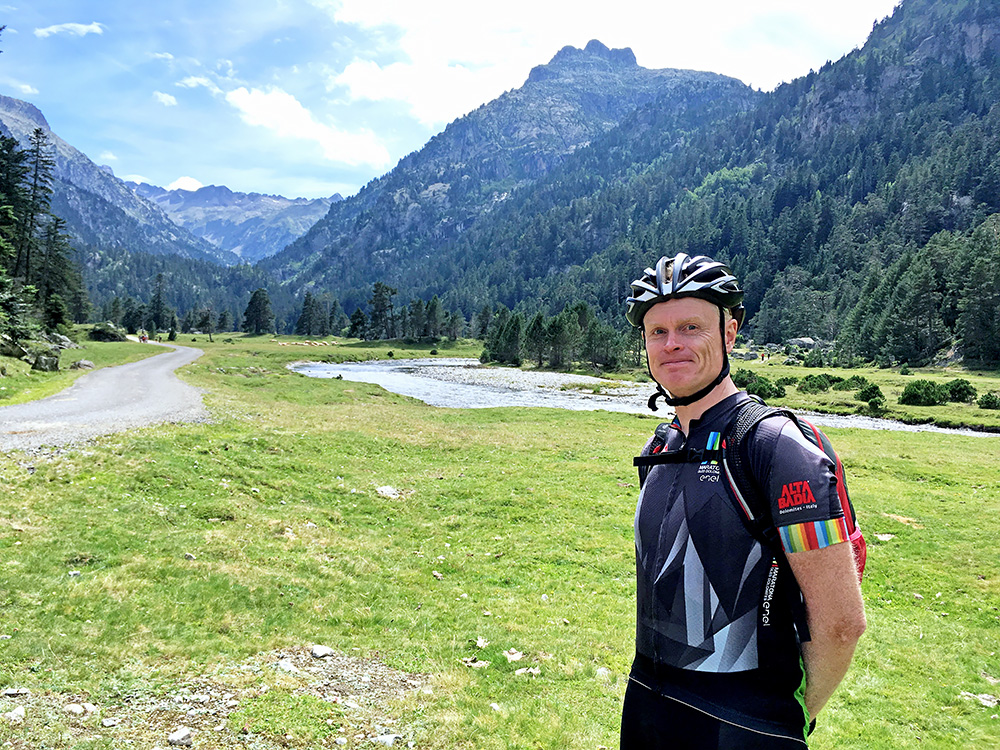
{"points": [[464, 383]]}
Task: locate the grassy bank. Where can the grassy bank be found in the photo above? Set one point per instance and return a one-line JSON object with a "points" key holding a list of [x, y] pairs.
{"points": [[325, 511]]}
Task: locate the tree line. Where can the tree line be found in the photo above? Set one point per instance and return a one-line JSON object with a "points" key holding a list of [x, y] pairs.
{"points": [[41, 288]]}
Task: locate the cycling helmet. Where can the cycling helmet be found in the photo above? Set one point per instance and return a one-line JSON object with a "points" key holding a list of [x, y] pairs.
{"points": [[685, 276]]}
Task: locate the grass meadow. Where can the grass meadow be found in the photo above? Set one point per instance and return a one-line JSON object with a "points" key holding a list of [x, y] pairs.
{"points": [[200, 547]]}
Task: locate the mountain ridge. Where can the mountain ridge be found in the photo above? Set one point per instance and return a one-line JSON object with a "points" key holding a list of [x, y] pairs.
{"points": [[250, 225]]}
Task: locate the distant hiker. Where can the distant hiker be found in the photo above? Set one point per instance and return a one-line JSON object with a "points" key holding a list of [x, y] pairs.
{"points": [[746, 622]]}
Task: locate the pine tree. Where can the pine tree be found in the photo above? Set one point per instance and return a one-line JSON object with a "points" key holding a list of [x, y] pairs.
{"points": [[39, 194], [258, 317]]}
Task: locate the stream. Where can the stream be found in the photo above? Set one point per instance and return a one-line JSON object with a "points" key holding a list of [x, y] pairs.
{"points": [[461, 383]]}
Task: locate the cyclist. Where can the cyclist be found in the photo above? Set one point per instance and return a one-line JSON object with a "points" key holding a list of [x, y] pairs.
{"points": [[727, 656]]}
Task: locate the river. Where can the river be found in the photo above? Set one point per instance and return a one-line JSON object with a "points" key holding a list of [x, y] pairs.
{"points": [[460, 383]]}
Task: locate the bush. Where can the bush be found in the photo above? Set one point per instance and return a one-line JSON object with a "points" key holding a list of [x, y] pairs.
{"points": [[924, 393], [961, 391], [853, 383], [869, 392], [743, 377], [814, 359], [787, 380], [873, 408], [814, 383], [763, 387], [905, 369], [989, 401]]}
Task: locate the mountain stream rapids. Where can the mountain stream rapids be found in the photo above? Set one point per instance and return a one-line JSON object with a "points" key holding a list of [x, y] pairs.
{"points": [[461, 383]]}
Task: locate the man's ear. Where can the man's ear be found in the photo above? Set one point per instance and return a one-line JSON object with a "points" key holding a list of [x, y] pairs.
{"points": [[731, 329]]}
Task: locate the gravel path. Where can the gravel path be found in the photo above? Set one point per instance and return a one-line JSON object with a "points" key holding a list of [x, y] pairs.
{"points": [[113, 399]]}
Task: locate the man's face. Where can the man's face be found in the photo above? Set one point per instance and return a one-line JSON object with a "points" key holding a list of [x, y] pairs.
{"points": [[684, 345]]}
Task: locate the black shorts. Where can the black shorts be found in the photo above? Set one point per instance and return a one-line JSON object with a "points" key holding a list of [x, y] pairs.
{"points": [[651, 721]]}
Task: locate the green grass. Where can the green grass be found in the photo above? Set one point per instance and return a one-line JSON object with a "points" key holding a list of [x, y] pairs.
{"points": [[892, 385], [524, 514]]}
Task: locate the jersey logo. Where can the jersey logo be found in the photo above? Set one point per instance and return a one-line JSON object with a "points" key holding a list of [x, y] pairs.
{"points": [[794, 494]]}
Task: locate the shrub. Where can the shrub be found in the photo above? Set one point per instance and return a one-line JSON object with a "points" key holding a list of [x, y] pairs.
{"points": [[763, 387], [869, 392], [989, 401], [873, 408], [904, 369], [787, 380], [853, 383], [923, 393], [814, 383], [743, 377], [961, 391], [814, 358]]}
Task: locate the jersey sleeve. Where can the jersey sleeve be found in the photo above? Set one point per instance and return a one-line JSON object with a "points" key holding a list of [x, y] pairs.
{"points": [[802, 488]]}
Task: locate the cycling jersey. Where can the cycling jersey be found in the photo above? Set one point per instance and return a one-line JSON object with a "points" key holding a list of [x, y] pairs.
{"points": [[714, 626]]}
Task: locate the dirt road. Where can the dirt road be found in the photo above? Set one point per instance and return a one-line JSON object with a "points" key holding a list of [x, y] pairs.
{"points": [[110, 400]]}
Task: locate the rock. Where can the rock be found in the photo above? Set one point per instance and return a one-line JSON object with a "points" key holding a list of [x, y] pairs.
{"points": [[16, 692], [321, 652], [63, 342], [74, 574], [189, 556], [82, 364], [603, 673], [10, 348], [388, 739], [181, 737], [16, 716], [110, 722], [90, 708], [45, 363], [340, 741], [804, 342], [75, 708], [286, 666]]}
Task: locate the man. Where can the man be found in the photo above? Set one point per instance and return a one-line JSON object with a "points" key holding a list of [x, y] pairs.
{"points": [[723, 658]]}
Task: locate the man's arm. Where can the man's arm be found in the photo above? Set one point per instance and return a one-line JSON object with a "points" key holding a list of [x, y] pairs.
{"points": [[835, 613]]}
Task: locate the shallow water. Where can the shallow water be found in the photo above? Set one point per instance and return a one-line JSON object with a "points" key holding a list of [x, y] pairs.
{"points": [[460, 383]]}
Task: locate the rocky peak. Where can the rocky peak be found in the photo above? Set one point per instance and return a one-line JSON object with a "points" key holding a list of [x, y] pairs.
{"points": [[595, 56], [24, 111]]}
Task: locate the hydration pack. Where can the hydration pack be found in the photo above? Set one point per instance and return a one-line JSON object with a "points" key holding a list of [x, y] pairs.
{"points": [[752, 502]]}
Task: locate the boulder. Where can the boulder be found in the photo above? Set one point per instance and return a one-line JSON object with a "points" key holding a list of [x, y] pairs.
{"points": [[107, 332], [803, 343], [83, 364], [11, 348], [45, 363]]}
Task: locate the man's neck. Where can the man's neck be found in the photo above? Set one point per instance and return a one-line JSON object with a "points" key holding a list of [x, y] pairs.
{"points": [[687, 414]]}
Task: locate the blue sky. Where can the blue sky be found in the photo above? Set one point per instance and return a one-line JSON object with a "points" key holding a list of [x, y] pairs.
{"points": [[312, 97]]}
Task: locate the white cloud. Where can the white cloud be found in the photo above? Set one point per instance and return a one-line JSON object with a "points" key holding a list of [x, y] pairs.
{"points": [[165, 99], [107, 156], [185, 183], [162, 56], [192, 82], [283, 114], [455, 56], [75, 29], [27, 89]]}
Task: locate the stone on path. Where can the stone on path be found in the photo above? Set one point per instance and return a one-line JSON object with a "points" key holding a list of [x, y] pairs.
{"points": [[181, 737]]}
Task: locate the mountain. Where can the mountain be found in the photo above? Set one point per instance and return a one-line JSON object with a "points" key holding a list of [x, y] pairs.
{"points": [[399, 222], [859, 203], [250, 225], [99, 209]]}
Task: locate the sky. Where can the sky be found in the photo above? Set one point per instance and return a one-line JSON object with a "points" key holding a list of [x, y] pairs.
{"points": [[307, 98]]}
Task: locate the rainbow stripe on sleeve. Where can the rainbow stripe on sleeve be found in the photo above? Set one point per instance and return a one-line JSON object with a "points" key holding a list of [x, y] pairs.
{"points": [[800, 537]]}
